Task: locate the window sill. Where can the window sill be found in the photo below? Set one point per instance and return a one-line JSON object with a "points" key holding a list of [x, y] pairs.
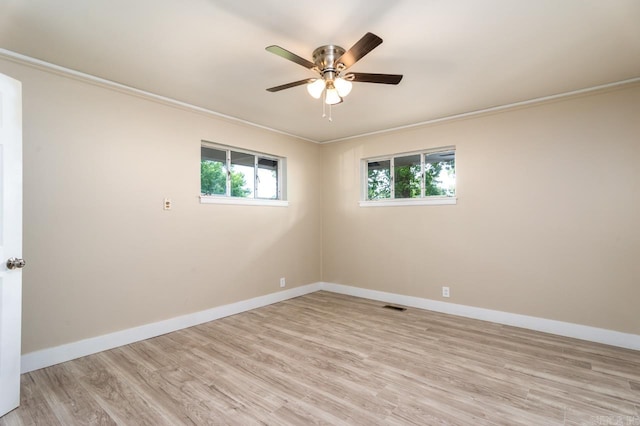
{"points": [[431, 201], [243, 201]]}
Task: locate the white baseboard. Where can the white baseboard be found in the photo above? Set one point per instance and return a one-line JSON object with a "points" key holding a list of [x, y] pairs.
{"points": [[583, 332], [51, 356]]}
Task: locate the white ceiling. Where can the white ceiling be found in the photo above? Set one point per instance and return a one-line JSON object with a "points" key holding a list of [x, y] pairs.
{"points": [[457, 56]]}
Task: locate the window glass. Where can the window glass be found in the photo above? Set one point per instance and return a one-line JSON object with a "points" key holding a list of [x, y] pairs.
{"points": [[267, 181], [242, 174], [378, 179], [440, 173], [407, 176], [213, 171]]}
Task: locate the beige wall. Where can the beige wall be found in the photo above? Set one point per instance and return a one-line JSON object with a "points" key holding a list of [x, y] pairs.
{"points": [[102, 254], [546, 224]]}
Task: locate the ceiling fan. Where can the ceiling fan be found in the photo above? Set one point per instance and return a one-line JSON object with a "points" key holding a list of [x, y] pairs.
{"points": [[331, 62]]}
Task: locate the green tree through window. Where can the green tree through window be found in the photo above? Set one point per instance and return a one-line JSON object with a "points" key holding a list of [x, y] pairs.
{"points": [[213, 180], [407, 176], [379, 180], [407, 181]]}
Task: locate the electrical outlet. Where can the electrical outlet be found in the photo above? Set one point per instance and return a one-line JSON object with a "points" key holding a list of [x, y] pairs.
{"points": [[283, 282], [167, 204], [445, 292]]}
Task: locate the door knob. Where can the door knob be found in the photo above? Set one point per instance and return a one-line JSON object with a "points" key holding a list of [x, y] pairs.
{"points": [[15, 263]]}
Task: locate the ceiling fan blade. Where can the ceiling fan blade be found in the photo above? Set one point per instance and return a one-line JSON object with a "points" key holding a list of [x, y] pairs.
{"points": [[290, 85], [277, 50], [364, 77], [365, 45]]}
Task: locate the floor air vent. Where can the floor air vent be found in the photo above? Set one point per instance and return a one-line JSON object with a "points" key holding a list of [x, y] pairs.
{"points": [[395, 308]]}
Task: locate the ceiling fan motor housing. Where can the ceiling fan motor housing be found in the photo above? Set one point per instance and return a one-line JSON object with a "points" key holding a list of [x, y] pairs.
{"points": [[325, 59]]}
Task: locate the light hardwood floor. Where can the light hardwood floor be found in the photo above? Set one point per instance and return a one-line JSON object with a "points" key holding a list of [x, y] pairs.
{"points": [[331, 359]]}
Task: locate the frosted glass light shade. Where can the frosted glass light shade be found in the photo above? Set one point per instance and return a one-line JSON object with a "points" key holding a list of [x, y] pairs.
{"points": [[315, 89], [332, 97], [343, 86]]}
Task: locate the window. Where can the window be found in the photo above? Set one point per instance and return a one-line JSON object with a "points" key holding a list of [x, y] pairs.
{"points": [[417, 178], [231, 175]]}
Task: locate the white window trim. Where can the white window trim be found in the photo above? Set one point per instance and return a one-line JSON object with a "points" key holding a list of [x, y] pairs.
{"points": [[212, 199], [426, 201], [227, 199], [395, 202]]}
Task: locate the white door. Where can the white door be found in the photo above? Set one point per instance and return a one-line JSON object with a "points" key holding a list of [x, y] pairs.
{"points": [[11, 261]]}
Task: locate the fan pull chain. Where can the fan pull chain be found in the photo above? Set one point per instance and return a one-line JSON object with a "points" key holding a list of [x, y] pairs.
{"points": [[324, 114], [324, 108]]}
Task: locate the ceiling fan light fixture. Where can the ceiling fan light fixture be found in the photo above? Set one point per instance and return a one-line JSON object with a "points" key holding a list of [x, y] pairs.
{"points": [[343, 86], [332, 97], [315, 88]]}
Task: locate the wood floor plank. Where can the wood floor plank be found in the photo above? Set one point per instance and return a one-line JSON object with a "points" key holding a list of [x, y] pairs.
{"points": [[578, 398], [152, 388], [293, 379], [34, 408], [334, 359], [153, 357], [117, 398], [425, 411], [69, 400], [85, 366], [600, 383], [466, 398], [300, 412]]}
